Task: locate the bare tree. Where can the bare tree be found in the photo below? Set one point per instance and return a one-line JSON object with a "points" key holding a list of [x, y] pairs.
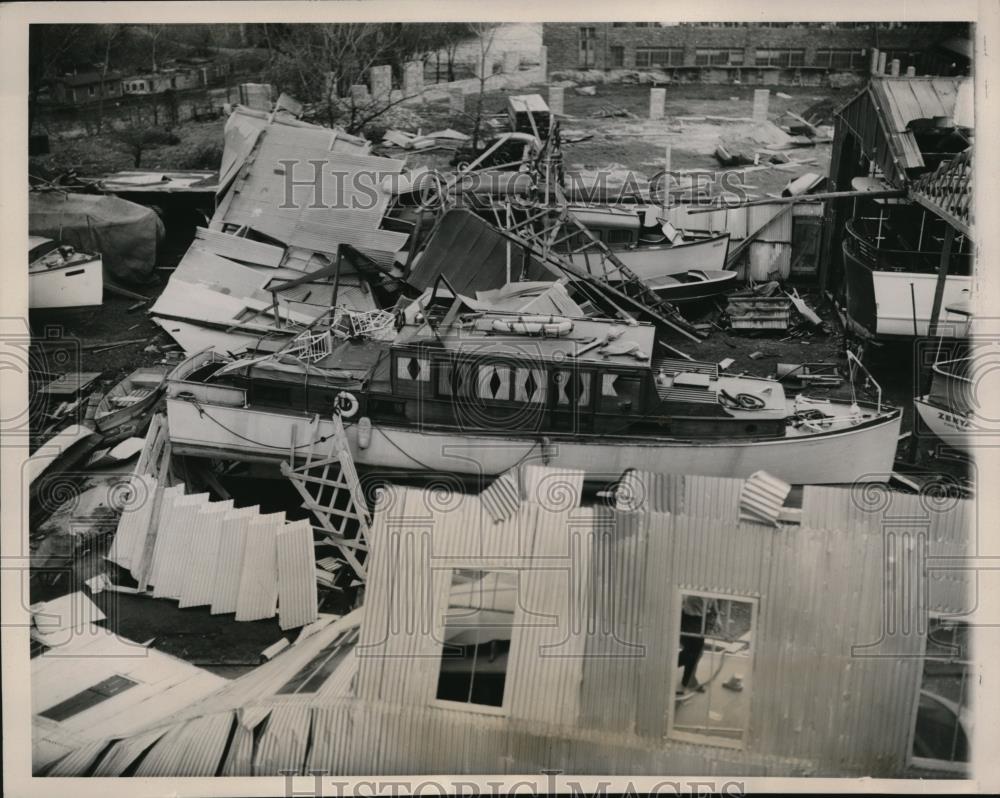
{"points": [[484, 32], [48, 46], [110, 33]]}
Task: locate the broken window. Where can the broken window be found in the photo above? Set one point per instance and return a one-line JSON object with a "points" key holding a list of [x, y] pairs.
{"points": [[478, 624], [314, 674], [942, 730], [712, 679], [88, 698]]}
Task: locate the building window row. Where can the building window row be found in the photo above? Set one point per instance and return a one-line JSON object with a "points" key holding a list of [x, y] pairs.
{"points": [[659, 56], [718, 57], [783, 57]]}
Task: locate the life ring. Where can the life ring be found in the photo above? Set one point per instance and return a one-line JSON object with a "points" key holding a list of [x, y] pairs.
{"points": [[346, 404], [553, 326]]}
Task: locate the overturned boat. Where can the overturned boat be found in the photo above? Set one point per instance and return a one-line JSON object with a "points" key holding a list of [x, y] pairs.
{"points": [[476, 394]]}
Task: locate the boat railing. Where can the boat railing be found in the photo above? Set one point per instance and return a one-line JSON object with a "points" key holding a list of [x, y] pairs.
{"points": [[854, 365], [889, 259]]}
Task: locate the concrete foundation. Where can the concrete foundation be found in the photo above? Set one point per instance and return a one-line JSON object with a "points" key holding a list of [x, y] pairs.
{"points": [[380, 80], [413, 78]]}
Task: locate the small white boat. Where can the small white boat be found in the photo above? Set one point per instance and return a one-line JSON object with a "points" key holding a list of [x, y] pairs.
{"points": [[692, 285], [61, 277], [123, 408]]}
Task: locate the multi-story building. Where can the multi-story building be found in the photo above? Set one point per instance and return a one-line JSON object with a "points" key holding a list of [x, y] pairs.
{"points": [[776, 52]]}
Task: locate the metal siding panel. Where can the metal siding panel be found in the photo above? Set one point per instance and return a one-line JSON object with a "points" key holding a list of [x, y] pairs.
{"points": [[258, 594], [283, 745], [200, 581], [229, 560], [297, 597]]}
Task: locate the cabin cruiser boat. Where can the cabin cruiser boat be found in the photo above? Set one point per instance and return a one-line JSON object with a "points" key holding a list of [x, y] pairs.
{"points": [[61, 277], [475, 394], [892, 252]]}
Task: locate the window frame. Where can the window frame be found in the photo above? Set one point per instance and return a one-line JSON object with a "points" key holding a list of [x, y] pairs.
{"points": [[469, 706], [97, 692], [648, 52], [925, 763], [674, 627]]}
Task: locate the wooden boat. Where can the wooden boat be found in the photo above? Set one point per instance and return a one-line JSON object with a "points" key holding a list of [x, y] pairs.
{"points": [[123, 409], [692, 285], [61, 277], [889, 285], [457, 397], [650, 251]]}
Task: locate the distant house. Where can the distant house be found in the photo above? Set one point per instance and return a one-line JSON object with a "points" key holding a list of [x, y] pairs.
{"points": [[81, 88], [163, 80]]}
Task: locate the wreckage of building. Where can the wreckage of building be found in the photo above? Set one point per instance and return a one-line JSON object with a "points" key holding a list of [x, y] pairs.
{"points": [[575, 610]]}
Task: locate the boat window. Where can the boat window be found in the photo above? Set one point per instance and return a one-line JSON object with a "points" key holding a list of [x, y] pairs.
{"points": [[941, 733], [88, 698], [478, 625], [493, 381], [620, 393], [572, 387], [712, 680], [619, 237], [273, 395]]}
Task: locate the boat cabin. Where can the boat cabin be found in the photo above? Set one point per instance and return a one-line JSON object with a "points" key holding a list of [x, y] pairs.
{"points": [[571, 375]]}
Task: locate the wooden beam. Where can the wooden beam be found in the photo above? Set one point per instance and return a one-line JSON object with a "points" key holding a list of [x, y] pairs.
{"points": [[942, 276], [829, 195]]}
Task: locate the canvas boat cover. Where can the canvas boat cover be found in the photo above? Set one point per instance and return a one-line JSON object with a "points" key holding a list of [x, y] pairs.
{"points": [[125, 234]]}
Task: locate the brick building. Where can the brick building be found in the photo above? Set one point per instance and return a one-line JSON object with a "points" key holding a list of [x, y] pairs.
{"points": [[761, 53]]}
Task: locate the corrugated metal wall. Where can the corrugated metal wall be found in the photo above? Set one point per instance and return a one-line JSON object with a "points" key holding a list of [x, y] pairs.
{"points": [[819, 691]]}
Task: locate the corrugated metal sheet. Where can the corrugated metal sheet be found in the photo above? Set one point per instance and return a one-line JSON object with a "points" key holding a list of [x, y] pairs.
{"points": [[124, 753], [502, 497], [193, 748], [173, 542], [238, 248], [297, 598], [229, 561], [77, 762], [133, 524], [239, 761], [284, 743], [258, 594], [200, 580], [762, 497]]}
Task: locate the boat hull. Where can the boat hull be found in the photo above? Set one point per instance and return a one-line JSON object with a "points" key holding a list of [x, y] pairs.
{"points": [[73, 286], [674, 289], [880, 304], [652, 262], [861, 454], [957, 430]]}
